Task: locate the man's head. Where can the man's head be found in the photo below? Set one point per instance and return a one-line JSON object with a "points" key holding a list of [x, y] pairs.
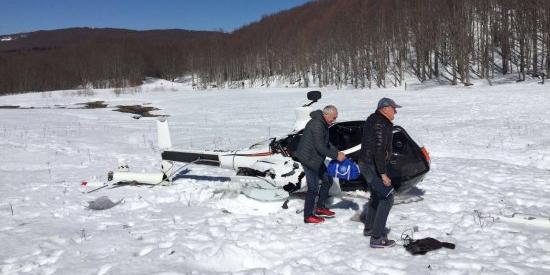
{"points": [[388, 107], [330, 113]]}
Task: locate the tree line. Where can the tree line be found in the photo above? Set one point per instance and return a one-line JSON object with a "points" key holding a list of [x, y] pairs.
{"points": [[368, 43], [364, 43]]}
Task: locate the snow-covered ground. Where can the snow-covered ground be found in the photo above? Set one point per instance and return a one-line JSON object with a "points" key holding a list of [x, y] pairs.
{"points": [[490, 148]]}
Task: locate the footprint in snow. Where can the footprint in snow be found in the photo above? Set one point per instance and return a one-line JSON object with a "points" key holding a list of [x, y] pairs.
{"points": [[104, 269], [49, 259], [146, 250], [103, 203]]}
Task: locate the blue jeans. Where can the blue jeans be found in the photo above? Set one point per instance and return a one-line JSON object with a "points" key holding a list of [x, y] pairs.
{"points": [[312, 179], [379, 205]]}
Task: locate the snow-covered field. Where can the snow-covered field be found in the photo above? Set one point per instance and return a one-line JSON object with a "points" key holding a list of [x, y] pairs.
{"points": [[490, 148]]}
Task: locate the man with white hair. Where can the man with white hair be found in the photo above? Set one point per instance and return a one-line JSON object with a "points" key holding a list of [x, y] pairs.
{"points": [[312, 150]]}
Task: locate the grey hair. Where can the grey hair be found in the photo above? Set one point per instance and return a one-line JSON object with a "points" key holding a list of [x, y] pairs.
{"points": [[329, 109]]}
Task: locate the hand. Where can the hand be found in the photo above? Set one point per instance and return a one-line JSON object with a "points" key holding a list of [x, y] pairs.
{"points": [[386, 180], [341, 156]]}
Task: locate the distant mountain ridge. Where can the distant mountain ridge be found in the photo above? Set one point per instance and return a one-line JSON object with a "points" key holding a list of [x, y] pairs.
{"points": [[71, 36]]}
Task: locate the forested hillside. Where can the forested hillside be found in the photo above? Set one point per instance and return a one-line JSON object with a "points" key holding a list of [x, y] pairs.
{"points": [[364, 43], [96, 58]]}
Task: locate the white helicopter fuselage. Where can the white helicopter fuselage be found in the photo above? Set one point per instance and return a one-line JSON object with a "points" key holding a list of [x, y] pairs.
{"points": [[257, 161], [267, 170]]}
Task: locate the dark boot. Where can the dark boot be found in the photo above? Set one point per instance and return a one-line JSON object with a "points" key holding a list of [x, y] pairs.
{"points": [[381, 242]]}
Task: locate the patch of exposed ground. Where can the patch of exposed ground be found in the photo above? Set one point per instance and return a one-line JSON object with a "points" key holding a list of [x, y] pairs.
{"points": [[94, 104], [137, 109]]}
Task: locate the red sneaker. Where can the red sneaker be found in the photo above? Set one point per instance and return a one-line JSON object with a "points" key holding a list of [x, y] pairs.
{"points": [[323, 212], [313, 219]]}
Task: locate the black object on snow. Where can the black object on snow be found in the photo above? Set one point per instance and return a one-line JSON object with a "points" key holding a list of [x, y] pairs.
{"points": [[422, 246]]}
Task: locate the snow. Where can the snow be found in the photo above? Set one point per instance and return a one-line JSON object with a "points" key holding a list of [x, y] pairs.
{"points": [[490, 149]]}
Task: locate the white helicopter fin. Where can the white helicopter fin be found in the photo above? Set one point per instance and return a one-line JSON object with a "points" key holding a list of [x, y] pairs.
{"points": [[163, 134], [302, 117]]}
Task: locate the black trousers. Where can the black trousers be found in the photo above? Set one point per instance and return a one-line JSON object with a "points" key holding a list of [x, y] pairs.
{"points": [[312, 179], [380, 203]]}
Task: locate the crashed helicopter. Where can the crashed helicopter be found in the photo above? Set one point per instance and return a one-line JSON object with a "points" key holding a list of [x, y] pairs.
{"points": [[268, 171]]}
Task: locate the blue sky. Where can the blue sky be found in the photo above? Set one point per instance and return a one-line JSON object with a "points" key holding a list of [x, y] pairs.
{"points": [[31, 15]]}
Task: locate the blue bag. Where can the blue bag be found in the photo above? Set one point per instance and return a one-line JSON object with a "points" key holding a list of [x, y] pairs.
{"points": [[345, 170]]}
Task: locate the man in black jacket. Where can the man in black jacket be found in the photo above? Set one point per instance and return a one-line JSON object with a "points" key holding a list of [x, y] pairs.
{"points": [[376, 150], [312, 150]]}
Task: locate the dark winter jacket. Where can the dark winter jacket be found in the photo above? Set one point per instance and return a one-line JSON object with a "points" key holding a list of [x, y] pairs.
{"points": [[376, 143], [314, 144]]}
